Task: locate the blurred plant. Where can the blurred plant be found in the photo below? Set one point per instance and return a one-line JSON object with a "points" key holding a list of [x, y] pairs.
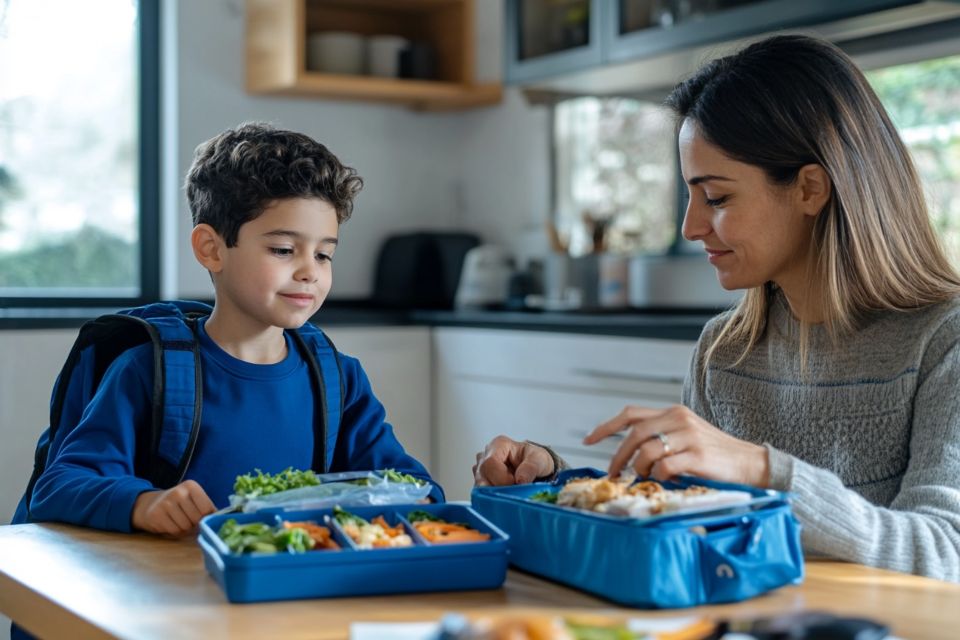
{"points": [[616, 161], [10, 190], [921, 98]]}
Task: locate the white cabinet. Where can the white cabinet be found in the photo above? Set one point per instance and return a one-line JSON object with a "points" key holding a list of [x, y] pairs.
{"points": [[397, 361], [29, 364], [547, 387]]}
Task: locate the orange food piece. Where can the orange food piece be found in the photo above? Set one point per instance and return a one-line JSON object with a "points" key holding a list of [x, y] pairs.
{"points": [[391, 532], [320, 534], [442, 532]]}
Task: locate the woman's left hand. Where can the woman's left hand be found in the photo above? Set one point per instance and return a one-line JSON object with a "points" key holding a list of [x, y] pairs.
{"points": [[664, 443]]}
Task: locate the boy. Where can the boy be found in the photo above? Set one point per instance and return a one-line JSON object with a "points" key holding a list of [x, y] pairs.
{"points": [[266, 205]]}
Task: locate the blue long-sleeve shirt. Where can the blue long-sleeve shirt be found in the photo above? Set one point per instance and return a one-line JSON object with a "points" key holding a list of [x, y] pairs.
{"points": [[253, 417]]}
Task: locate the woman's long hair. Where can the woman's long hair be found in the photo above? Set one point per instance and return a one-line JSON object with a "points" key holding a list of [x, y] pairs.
{"points": [[790, 101]]}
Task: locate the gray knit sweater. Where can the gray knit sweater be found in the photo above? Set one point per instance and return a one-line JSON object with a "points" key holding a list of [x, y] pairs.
{"points": [[867, 440]]}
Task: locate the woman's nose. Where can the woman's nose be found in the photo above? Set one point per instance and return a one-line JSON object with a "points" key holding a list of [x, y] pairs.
{"points": [[696, 224]]}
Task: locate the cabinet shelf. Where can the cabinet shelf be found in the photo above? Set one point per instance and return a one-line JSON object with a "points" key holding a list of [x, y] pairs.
{"points": [[277, 32]]}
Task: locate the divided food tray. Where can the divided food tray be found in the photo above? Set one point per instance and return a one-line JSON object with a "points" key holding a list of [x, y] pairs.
{"points": [[254, 577], [760, 497], [682, 559]]}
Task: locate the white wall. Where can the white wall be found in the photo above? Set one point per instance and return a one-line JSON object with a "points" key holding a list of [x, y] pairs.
{"points": [[483, 170]]}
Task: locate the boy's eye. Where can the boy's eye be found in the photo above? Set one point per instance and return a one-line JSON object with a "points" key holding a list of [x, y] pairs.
{"points": [[324, 257], [716, 202], [281, 251]]}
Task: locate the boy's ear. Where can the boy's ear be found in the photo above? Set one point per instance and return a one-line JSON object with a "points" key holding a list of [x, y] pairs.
{"points": [[815, 187], [208, 247]]}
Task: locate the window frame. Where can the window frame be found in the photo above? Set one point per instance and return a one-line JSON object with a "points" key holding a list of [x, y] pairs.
{"points": [[22, 310]]}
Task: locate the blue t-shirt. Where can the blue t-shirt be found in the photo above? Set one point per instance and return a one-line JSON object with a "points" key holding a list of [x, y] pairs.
{"points": [[253, 417]]}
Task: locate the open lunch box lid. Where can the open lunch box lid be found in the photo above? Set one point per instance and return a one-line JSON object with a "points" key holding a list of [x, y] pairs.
{"points": [[723, 553], [350, 571]]}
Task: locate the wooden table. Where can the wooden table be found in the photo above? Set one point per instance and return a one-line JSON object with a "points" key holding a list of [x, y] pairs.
{"points": [[68, 582]]}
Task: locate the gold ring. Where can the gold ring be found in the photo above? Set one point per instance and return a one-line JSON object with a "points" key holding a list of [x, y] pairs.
{"points": [[662, 437]]}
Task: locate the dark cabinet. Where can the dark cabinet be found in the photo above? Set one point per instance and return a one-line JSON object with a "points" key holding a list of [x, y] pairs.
{"points": [[640, 28], [547, 38]]}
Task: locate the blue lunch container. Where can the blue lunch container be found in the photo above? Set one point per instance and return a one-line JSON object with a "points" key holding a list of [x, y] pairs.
{"points": [[256, 577], [708, 556]]}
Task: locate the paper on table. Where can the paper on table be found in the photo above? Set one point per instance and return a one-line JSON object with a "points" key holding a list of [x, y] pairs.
{"points": [[429, 630], [393, 630]]}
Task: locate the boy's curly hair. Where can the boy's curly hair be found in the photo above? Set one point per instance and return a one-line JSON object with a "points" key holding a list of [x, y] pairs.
{"points": [[238, 174]]}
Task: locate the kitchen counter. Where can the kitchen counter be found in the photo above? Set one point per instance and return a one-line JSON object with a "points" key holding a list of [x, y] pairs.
{"points": [[668, 324], [665, 325], [62, 581]]}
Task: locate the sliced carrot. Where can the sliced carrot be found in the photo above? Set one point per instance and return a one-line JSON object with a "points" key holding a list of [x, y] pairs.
{"points": [[392, 532], [320, 534], [440, 532]]}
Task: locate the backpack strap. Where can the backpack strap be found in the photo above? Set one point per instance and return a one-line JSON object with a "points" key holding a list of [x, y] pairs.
{"points": [[166, 450], [326, 374], [177, 399]]}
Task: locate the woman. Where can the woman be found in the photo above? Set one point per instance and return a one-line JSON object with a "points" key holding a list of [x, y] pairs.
{"points": [[836, 377]]}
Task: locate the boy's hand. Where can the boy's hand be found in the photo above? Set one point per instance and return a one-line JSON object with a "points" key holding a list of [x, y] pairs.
{"points": [[174, 512], [505, 461]]}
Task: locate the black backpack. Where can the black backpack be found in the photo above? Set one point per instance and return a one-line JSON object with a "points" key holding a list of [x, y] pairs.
{"points": [[166, 444]]}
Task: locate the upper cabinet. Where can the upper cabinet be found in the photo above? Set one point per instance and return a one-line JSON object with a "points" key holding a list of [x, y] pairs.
{"points": [[549, 38], [648, 27], [545, 37], [418, 53]]}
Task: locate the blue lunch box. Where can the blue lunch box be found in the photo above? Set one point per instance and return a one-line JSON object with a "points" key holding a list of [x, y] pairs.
{"points": [[708, 556], [256, 577]]}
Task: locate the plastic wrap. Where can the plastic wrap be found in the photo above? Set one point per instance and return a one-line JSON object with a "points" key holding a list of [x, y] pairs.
{"points": [[345, 489]]}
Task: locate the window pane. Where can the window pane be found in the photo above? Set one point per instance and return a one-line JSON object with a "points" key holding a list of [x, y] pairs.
{"points": [[69, 149], [616, 167], [923, 100]]}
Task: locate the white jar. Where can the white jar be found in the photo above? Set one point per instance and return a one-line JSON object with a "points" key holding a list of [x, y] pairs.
{"points": [[383, 55], [340, 52]]}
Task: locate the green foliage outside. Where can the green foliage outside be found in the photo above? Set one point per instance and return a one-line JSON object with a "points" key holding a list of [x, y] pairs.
{"points": [[91, 257], [923, 98]]}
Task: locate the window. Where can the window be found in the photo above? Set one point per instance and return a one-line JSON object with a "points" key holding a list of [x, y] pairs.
{"points": [[923, 98], [616, 175], [78, 152]]}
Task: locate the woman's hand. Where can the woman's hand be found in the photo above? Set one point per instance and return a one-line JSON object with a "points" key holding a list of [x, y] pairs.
{"points": [[664, 443], [505, 461]]}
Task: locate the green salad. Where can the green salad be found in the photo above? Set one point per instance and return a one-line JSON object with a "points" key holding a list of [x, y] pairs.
{"points": [[544, 496], [259, 537], [255, 484]]}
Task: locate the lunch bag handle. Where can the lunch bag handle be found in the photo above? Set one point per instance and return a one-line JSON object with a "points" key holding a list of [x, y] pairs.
{"points": [[735, 563]]}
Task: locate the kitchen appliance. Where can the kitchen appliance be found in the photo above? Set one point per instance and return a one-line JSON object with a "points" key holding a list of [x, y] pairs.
{"points": [[421, 270], [485, 277]]}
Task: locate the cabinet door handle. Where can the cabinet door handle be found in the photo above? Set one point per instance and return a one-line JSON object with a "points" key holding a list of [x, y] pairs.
{"points": [[583, 453], [619, 435], [620, 375]]}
